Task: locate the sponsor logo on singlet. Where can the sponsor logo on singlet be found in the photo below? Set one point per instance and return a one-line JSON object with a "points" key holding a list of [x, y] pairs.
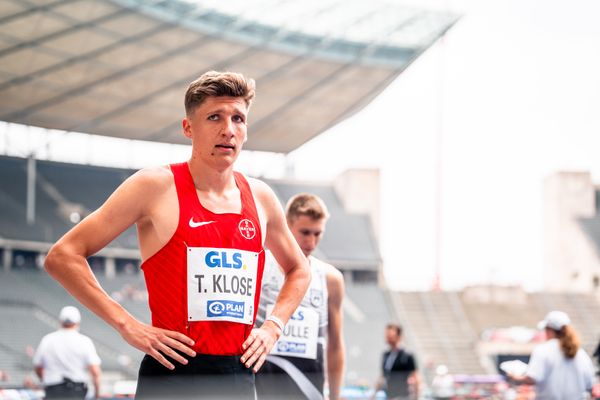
{"points": [[247, 229], [316, 297], [194, 224]]}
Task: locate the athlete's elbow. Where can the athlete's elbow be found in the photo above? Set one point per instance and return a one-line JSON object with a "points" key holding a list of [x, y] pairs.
{"points": [[56, 257], [299, 276]]}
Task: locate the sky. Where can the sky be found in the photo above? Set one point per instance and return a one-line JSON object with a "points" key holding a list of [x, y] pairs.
{"points": [[509, 96]]}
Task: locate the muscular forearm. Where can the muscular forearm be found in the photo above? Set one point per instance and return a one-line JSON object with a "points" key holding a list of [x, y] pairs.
{"points": [[291, 294], [335, 370], [95, 372], [72, 271], [74, 274], [335, 342]]}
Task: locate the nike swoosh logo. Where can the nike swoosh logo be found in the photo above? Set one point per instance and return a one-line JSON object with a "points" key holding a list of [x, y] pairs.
{"points": [[198, 224]]}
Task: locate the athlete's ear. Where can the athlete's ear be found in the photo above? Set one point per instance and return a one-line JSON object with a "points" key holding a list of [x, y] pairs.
{"points": [[187, 128]]}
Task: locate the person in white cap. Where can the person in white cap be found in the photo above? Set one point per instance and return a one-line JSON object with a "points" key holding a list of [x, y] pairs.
{"points": [[559, 368], [65, 359]]}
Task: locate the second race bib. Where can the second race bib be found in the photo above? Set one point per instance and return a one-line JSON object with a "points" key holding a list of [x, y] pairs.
{"points": [[299, 338]]}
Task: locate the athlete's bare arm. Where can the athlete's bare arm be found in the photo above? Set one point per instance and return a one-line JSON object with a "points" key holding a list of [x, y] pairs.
{"points": [[378, 386], [521, 379], [286, 251], [415, 378], [66, 262], [95, 373], [335, 340]]}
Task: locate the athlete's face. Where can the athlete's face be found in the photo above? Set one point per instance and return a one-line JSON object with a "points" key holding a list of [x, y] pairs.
{"points": [[218, 129], [307, 232]]}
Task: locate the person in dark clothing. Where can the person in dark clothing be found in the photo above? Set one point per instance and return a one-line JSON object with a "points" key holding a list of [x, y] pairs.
{"points": [[399, 368], [597, 356]]}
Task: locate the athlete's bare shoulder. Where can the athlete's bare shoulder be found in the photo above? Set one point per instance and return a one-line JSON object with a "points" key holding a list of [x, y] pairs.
{"points": [[331, 272], [259, 187], [263, 194], [149, 183], [146, 189], [269, 209], [154, 178], [335, 285]]}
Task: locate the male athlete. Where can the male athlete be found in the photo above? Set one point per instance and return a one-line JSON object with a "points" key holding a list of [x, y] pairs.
{"points": [[201, 229], [295, 368]]}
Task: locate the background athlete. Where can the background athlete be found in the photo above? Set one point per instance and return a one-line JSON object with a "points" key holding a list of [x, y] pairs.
{"points": [[201, 230], [315, 331]]}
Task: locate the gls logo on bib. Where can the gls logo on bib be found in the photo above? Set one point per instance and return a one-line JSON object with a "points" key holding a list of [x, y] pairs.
{"points": [[215, 259]]}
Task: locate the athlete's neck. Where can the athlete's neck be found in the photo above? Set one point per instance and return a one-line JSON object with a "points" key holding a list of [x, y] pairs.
{"points": [[207, 179]]}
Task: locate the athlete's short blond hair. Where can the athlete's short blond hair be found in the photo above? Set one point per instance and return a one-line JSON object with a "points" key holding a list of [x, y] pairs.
{"points": [[306, 204], [218, 84]]}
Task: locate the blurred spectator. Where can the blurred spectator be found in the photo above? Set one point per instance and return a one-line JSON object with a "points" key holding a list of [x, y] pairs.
{"points": [[30, 383], [559, 368], [64, 358], [29, 350], [399, 369], [597, 355], [443, 384], [3, 376]]}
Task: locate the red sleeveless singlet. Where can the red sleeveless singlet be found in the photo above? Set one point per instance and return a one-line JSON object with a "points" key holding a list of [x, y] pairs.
{"points": [[205, 282]]}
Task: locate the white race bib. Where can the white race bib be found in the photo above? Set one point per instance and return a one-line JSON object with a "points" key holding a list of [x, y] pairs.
{"points": [[221, 284], [299, 338]]}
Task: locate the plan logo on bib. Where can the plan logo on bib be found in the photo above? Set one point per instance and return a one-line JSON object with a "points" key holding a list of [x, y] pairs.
{"points": [[225, 308], [247, 229], [291, 347]]}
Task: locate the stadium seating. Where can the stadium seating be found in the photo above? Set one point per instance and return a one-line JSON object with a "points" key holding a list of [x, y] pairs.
{"points": [[366, 312], [31, 300], [437, 327], [445, 327], [58, 185]]}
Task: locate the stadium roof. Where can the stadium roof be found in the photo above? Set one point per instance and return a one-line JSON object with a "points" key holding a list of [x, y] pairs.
{"points": [[120, 67]]}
